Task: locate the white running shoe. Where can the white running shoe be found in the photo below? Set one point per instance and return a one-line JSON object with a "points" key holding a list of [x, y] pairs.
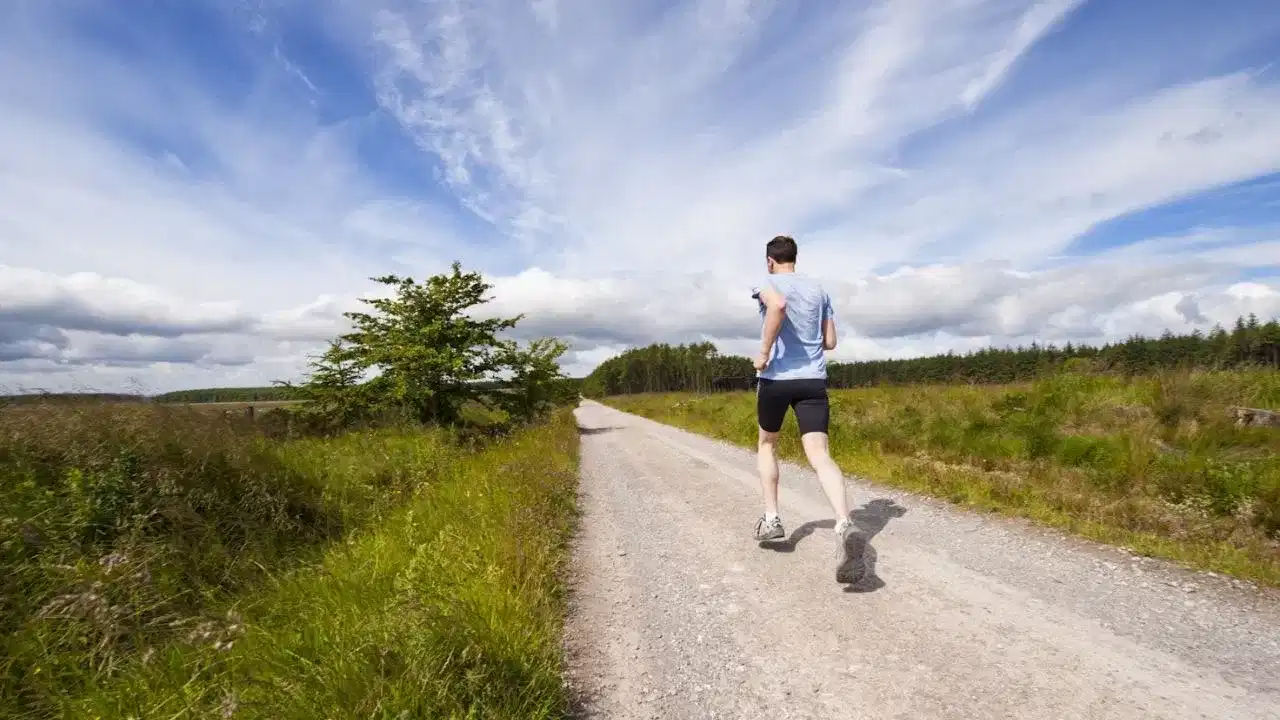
{"points": [[851, 548], [769, 529]]}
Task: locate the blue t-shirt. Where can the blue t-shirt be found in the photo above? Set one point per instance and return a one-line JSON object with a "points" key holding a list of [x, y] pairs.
{"points": [[798, 352]]}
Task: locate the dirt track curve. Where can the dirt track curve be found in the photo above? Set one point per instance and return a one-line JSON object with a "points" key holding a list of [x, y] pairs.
{"points": [[677, 612]]}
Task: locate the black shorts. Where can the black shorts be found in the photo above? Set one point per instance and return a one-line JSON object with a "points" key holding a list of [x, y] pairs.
{"points": [[808, 398]]}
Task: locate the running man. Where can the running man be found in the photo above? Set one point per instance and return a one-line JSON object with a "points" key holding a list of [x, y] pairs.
{"points": [[798, 327]]}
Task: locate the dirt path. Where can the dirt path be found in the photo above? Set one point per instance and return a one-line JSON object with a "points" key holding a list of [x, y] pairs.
{"points": [[678, 613]]}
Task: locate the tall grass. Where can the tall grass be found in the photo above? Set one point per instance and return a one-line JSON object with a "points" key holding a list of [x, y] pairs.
{"points": [[162, 562], [1155, 464]]}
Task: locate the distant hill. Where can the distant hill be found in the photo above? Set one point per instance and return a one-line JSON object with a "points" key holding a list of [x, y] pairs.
{"points": [[202, 395], [199, 395], [69, 398], [263, 394], [232, 394]]}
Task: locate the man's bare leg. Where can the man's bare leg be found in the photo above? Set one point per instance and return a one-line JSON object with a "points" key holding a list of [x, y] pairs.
{"points": [[817, 450], [770, 525], [850, 544], [767, 464]]}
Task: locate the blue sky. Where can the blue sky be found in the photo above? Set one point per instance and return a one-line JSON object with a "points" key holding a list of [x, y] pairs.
{"points": [[192, 192]]}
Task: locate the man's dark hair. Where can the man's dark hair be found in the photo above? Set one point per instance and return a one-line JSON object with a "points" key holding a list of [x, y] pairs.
{"points": [[781, 249]]}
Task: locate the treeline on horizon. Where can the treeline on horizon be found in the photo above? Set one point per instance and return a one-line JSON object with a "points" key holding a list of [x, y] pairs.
{"points": [[232, 394], [701, 368]]}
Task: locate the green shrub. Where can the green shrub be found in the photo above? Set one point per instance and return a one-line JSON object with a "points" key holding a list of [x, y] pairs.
{"points": [[1089, 452]]}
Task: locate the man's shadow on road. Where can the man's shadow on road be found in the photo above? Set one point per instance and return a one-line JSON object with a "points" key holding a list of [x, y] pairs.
{"points": [[596, 430], [868, 520]]}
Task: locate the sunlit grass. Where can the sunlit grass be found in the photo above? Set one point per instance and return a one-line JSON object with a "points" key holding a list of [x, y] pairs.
{"points": [[161, 562]]}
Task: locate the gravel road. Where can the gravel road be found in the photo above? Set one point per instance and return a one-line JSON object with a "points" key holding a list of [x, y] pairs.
{"points": [[676, 612]]}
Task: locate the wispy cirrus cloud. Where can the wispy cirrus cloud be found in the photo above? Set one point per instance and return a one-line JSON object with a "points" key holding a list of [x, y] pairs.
{"points": [[694, 131], [198, 195]]}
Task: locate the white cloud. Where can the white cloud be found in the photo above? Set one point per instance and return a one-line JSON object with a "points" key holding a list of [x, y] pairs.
{"points": [[1037, 21], [117, 306], [616, 172]]}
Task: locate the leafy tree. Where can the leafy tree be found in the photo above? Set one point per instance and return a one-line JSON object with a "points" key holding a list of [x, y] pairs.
{"points": [[427, 356], [334, 395], [536, 383]]}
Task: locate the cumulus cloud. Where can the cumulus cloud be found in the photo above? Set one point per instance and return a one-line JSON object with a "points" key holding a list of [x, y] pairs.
{"points": [[86, 319], [960, 307], [958, 173], [114, 306]]}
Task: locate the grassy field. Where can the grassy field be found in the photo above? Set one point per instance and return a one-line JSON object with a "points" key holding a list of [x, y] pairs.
{"points": [[1153, 464], [175, 563]]}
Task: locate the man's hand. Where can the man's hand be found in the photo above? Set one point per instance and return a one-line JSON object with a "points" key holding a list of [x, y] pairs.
{"points": [[761, 360]]}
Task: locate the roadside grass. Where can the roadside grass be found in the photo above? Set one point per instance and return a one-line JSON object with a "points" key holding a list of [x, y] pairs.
{"points": [[288, 419], [1153, 464], [164, 562]]}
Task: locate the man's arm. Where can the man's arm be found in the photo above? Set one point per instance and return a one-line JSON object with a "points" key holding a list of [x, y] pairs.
{"points": [[829, 334], [775, 306], [828, 324]]}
